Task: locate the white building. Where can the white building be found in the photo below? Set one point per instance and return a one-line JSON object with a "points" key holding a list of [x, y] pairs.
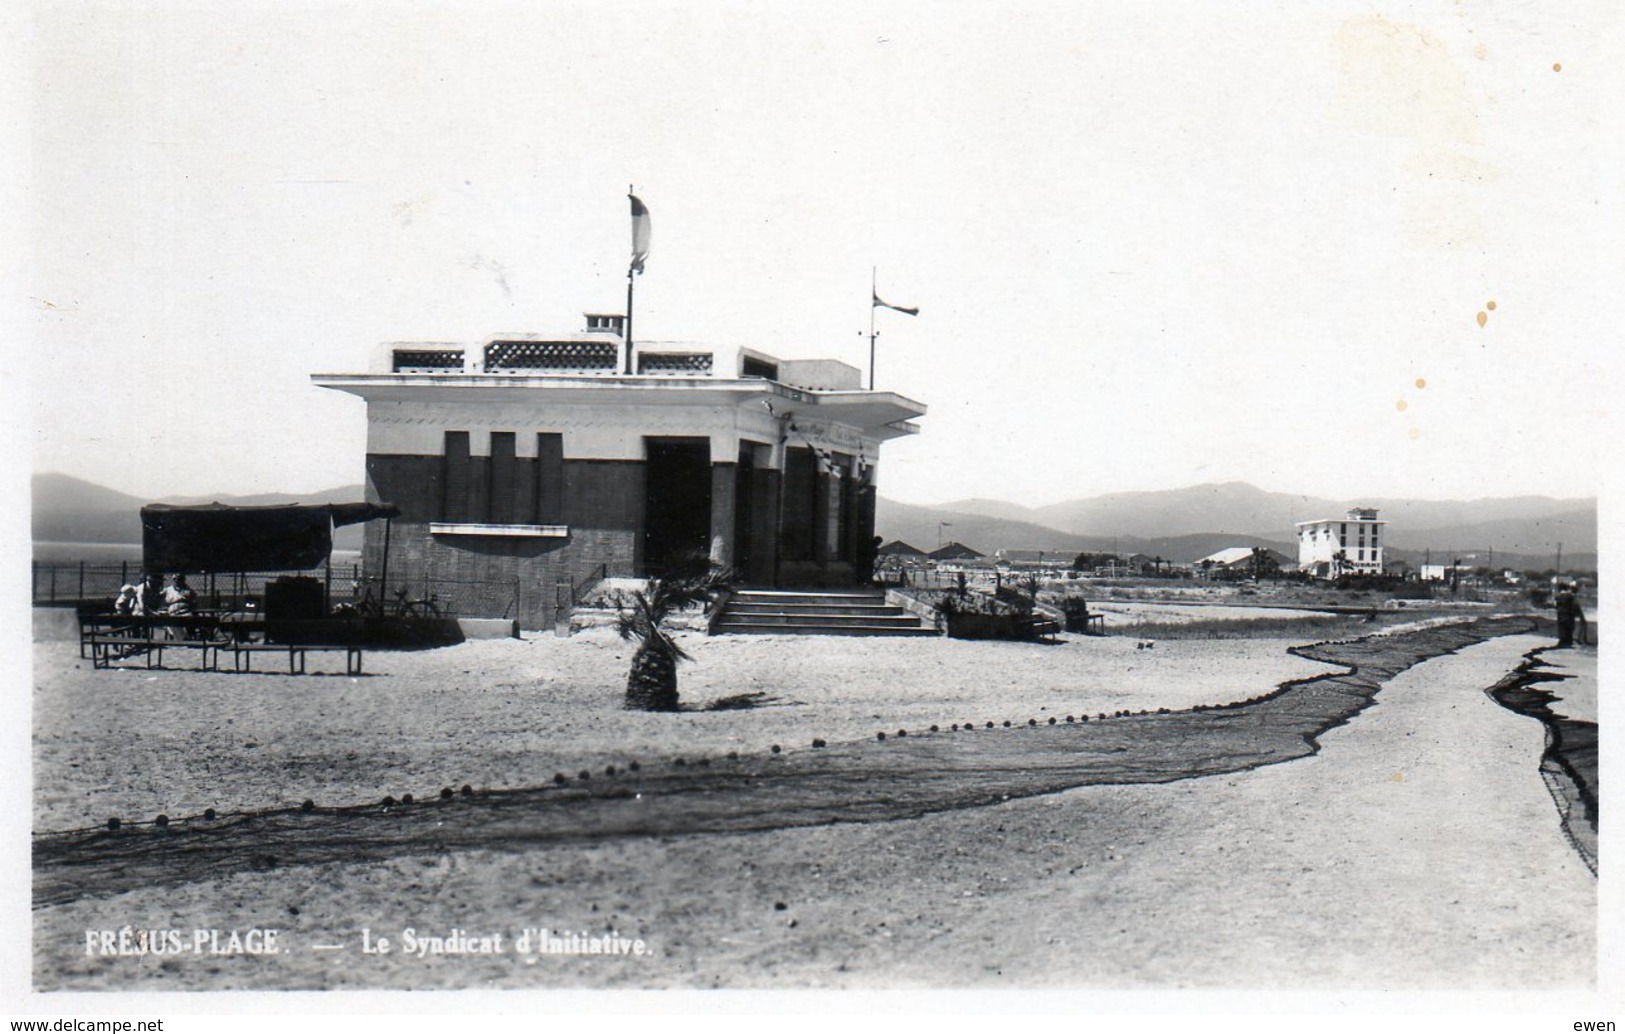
{"points": [[1352, 544], [1444, 572], [539, 463]]}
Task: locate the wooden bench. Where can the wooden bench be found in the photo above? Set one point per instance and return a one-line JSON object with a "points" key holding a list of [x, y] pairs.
{"points": [[105, 638], [1041, 626], [107, 648], [1093, 624], [242, 655]]}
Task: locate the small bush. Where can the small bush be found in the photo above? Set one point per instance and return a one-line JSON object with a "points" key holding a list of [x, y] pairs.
{"points": [[740, 702]]}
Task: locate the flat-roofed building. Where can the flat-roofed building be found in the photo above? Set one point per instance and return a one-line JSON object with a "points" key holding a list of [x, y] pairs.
{"points": [[536, 461], [1351, 544]]}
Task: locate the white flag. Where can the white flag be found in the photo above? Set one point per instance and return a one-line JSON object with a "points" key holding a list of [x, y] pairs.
{"points": [[640, 234], [888, 305]]}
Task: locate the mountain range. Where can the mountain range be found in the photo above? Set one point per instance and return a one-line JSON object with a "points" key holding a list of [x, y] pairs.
{"points": [[1180, 525], [68, 509], [1189, 523]]}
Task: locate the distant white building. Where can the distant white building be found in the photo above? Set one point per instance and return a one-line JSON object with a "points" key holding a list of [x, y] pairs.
{"points": [[1444, 572], [1352, 544], [1246, 560]]}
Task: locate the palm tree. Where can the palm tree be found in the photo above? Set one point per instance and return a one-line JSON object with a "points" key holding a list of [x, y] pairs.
{"points": [[651, 685], [1263, 564]]}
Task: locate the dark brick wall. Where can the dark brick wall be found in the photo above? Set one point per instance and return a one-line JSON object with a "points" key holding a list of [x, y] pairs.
{"points": [[798, 523], [601, 502], [414, 483], [603, 494], [724, 506], [548, 493], [491, 576], [765, 511], [504, 481]]}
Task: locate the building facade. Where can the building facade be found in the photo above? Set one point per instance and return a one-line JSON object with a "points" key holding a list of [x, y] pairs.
{"points": [[1352, 544], [535, 462]]}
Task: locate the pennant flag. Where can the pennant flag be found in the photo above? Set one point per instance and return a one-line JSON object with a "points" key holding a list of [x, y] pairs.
{"points": [[888, 305], [640, 233]]}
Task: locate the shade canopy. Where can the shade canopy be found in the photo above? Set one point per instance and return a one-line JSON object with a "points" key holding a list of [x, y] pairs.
{"points": [[219, 538]]}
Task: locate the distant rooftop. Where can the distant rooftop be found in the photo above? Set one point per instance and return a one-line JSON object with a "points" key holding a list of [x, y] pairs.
{"points": [[1359, 513]]}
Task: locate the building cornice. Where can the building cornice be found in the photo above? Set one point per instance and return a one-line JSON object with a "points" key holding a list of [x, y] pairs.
{"points": [[881, 414]]}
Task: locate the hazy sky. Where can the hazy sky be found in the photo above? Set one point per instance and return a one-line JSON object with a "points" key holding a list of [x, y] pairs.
{"points": [[1151, 246]]}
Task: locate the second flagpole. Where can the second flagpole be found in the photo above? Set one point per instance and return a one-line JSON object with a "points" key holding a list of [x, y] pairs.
{"points": [[873, 294]]}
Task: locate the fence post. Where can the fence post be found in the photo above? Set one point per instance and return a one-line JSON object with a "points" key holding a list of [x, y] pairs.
{"points": [[563, 603], [81, 581]]}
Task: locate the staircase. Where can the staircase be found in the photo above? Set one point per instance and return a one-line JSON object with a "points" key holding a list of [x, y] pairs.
{"points": [[849, 612]]}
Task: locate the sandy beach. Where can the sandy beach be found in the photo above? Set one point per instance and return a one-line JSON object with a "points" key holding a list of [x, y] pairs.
{"points": [[502, 713], [1419, 848]]}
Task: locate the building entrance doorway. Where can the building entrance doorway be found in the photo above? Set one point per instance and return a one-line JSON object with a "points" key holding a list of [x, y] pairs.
{"points": [[676, 502]]}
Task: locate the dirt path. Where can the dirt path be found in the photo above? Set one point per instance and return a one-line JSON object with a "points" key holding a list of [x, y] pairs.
{"points": [[1558, 688]]}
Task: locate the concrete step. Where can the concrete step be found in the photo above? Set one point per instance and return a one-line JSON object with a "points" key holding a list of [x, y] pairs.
{"points": [[855, 609], [756, 628], [820, 620], [816, 612], [822, 598]]}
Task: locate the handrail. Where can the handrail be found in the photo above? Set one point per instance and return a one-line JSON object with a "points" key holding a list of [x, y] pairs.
{"points": [[578, 591]]}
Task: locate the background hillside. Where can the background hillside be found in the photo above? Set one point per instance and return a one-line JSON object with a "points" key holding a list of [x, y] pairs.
{"points": [[1189, 523], [67, 509], [1180, 525]]}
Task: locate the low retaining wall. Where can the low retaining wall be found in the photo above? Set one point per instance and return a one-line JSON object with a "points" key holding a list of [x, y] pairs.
{"points": [[924, 611], [488, 628], [55, 624]]}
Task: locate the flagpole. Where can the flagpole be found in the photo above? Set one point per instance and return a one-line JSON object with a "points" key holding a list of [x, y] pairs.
{"points": [[630, 269], [629, 319], [873, 288]]}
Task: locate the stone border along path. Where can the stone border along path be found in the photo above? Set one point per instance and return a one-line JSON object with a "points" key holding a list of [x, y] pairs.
{"points": [[1569, 763], [898, 776]]}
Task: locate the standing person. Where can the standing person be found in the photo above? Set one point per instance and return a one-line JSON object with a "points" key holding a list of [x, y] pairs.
{"points": [[867, 552], [1583, 627], [1567, 606]]}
